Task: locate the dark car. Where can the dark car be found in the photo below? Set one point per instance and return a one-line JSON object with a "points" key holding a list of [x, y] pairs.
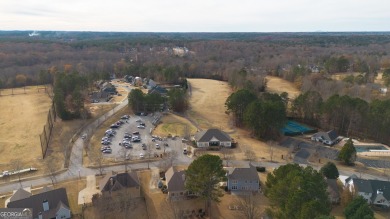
{"points": [[114, 126], [135, 133], [136, 140]]}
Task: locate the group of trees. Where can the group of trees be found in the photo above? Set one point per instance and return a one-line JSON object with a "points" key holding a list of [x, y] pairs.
{"points": [[139, 101], [69, 94], [297, 192], [349, 116], [177, 100], [264, 114]]}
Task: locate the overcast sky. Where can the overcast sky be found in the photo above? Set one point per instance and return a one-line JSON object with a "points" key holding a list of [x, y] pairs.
{"points": [[196, 15]]}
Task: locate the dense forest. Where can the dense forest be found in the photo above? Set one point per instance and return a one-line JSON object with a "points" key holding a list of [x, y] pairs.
{"points": [[312, 61]]}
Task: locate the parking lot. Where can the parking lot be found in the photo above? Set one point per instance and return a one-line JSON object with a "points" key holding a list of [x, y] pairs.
{"points": [[139, 144]]}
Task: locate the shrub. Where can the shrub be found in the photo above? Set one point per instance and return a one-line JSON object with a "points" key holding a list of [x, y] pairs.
{"points": [[260, 169]]}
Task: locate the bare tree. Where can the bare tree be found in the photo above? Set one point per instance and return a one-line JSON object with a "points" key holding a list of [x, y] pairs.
{"points": [[271, 149], [171, 209], [98, 159], [17, 166], [51, 168], [249, 206], [167, 161], [125, 155], [187, 132], [227, 155], [250, 155]]}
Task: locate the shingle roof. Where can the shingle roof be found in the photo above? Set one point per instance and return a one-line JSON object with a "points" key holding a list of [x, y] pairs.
{"points": [[362, 185], [246, 173], [175, 179], [20, 194], [330, 136], [119, 181], [206, 136], [373, 186], [53, 197]]}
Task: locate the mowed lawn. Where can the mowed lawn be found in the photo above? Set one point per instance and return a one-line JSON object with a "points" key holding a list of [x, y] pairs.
{"points": [[22, 119]]}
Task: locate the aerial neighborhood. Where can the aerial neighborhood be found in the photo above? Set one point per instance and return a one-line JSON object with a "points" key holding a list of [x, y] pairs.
{"points": [[163, 125]]}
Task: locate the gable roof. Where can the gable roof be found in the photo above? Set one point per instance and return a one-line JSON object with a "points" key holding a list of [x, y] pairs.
{"points": [[175, 179], [19, 194], [113, 182], [54, 198], [206, 136], [373, 186], [362, 185], [246, 173], [330, 136]]}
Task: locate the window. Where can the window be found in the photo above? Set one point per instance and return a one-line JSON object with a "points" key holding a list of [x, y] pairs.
{"points": [[234, 187], [234, 181]]}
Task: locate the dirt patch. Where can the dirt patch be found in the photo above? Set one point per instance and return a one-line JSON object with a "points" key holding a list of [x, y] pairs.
{"points": [[174, 125], [22, 119], [207, 104], [279, 85]]}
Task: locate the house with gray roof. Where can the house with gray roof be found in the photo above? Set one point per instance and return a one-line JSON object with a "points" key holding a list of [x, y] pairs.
{"points": [[46, 205], [212, 138], [117, 181], [375, 192], [176, 178], [328, 138], [244, 179]]}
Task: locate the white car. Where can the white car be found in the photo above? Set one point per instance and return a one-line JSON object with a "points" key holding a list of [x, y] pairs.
{"points": [[140, 126], [141, 155], [158, 146]]}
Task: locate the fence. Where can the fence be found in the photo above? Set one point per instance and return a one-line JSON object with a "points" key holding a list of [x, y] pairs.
{"points": [[47, 129]]}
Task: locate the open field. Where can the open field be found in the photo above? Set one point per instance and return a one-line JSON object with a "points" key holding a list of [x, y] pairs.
{"points": [[174, 125], [22, 119], [207, 104], [279, 85]]}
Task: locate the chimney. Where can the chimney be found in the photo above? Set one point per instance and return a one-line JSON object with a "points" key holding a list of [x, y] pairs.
{"points": [[183, 177], [45, 205], [111, 182], [40, 215]]}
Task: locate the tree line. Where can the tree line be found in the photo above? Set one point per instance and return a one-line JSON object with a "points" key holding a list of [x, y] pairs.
{"points": [[348, 115]]}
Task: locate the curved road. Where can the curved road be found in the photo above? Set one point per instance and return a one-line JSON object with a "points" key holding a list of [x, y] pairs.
{"points": [[76, 169]]}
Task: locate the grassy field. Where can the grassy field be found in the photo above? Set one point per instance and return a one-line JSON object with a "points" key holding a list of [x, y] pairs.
{"points": [[279, 85], [174, 125], [22, 119], [207, 103]]}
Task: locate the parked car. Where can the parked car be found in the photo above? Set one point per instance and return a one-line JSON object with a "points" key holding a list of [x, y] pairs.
{"points": [[136, 140], [114, 126], [108, 151], [135, 133], [141, 155], [185, 151], [138, 120], [143, 124], [158, 146], [140, 126], [125, 117]]}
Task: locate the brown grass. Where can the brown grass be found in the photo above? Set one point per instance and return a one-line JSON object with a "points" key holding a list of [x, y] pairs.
{"points": [[207, 103], [279, 85], [174, 125], [22, 119]]}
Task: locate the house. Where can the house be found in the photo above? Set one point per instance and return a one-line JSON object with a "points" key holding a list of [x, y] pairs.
{"points": [[243, 179], [157, 89], [100, 96], [328, 138], [176, 178], [212, 138], [117, 181], [375, 192], [333, 191], [21, 193], [51, 204]]}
